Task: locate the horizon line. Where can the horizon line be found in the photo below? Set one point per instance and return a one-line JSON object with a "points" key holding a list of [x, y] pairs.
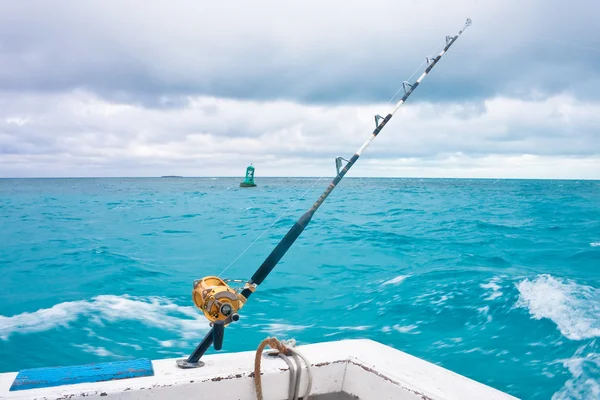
{"points": [[292, 177]]}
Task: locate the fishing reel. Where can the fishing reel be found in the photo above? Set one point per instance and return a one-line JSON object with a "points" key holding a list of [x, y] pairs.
{"points": [[217, 300]]}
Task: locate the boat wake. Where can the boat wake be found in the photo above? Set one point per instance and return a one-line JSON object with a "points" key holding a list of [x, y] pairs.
{"points": [[494, 287], [151, 311], [574, 308], [584, 367]]}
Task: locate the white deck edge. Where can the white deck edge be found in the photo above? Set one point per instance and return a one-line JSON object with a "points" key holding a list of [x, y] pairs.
{"points": [[362, 367]]}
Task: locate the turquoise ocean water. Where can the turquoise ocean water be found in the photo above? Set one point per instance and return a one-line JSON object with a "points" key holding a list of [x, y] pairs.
{"points": [[498, 280]]}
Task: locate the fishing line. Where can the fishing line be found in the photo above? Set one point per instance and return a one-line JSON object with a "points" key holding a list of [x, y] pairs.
{"points": [[219, 302], [416, 70], [270, 226]]}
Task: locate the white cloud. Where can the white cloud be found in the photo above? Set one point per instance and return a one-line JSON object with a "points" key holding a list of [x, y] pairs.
{"points": [[113, 88], [314, 50], [81, 134]]}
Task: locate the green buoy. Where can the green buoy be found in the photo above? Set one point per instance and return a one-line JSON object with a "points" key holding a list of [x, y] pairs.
{"points": [[249, 181]]}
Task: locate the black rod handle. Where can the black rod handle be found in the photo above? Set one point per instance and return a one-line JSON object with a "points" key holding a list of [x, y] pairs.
{"points": [[279, 251], [218, 334]]}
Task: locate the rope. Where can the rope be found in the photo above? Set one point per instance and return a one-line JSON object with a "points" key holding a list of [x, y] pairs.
{"points": [[270, 226], [274, 344], [293, 375], [309, 385], [295, 371], [298, 377]]}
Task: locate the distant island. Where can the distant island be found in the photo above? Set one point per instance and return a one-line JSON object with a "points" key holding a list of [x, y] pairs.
{"points": [[171, 176]]}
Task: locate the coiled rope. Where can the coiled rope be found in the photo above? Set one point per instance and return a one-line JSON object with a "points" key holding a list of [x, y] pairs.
{"points": [[285, 350]]}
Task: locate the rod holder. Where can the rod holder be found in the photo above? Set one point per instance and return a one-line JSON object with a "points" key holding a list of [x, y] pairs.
{"points": [[214, 337]]}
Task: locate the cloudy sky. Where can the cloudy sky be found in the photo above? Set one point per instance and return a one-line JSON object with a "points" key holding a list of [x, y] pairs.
{"points": [[202, 88]]}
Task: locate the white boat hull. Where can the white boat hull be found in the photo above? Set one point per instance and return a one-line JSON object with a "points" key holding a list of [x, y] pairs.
{"points": [[363, 369]]}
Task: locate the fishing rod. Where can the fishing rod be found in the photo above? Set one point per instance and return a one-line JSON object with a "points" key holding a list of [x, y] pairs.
{"points": [[220, 302]]}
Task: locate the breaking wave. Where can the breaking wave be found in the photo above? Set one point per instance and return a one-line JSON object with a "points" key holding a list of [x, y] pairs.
{"points": [[574, 308], [584, 367], [153, 311]]}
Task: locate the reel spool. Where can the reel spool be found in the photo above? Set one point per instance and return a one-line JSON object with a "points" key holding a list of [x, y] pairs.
{"points": [[217, 300]]}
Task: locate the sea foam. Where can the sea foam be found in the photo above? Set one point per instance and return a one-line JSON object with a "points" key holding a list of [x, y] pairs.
{"points": [[574, 308], [396, 280], [152, 311]]}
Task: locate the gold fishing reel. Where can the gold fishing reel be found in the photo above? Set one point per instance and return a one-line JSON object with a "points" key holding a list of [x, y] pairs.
{"points": [[217, 300]]}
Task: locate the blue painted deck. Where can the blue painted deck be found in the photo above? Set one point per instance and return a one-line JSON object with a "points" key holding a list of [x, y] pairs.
{"points": [[57, 376]]}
